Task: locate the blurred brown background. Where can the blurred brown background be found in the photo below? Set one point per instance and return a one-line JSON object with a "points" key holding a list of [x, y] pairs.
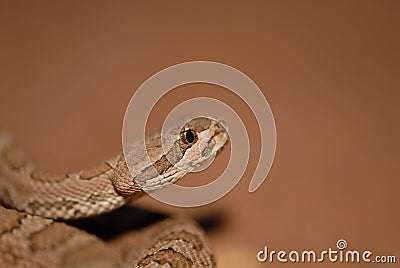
{"points": [[330, 72]]}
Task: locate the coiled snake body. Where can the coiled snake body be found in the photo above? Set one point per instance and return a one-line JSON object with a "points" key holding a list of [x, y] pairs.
{"points": [[29, 236]]}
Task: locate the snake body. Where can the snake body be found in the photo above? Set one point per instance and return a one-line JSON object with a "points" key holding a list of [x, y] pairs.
{"points": [[34, 199]]}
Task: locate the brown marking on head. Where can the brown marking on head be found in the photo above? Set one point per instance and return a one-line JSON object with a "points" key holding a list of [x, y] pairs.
{"points": [[198, 124]]}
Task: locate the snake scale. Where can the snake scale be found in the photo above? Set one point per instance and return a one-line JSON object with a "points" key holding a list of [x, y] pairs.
{"points": [[34, 203]]}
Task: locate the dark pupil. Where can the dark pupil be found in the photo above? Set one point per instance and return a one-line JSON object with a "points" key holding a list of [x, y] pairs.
{"points": [[189, 136]]}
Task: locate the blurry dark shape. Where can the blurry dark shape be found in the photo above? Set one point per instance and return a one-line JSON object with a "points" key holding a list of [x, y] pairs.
{"points": [[117, 222], [125, 219], [211, 223]]}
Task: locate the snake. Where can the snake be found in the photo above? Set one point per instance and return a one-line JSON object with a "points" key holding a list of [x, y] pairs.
{"points": [[35, 203]]}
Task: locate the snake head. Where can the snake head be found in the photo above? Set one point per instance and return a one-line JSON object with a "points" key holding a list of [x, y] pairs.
{"points": [[200, 140], [169, 155]]}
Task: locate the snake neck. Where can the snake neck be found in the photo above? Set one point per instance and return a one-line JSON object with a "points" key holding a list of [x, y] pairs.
{"points": [[57, 196]]}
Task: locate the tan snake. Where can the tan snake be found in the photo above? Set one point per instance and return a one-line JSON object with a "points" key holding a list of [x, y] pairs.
{"points": [[29, 236]]}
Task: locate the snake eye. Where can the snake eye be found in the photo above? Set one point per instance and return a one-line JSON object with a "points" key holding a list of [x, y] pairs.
{"points": [[188, 136]]}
